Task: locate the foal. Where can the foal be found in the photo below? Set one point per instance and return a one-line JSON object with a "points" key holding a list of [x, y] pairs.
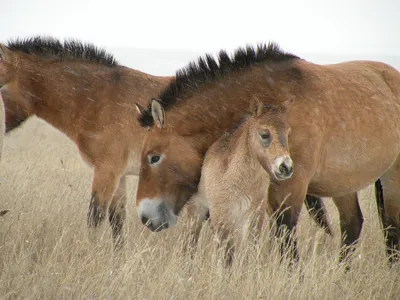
{"points": [[237, 168]]}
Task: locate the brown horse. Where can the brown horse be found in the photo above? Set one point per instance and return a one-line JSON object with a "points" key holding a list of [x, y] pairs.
{"points": [[2, 124], [82, 91], [345, 133], [237, 168]]}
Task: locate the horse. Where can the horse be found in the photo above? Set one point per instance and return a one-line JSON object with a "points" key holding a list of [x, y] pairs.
{"points": [[2, 124], [237, 168], [345, 135], [84, 92]]}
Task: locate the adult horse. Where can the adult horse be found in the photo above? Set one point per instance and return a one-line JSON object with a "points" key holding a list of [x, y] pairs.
{"points": [[82, 91], [2, 124], [345, 134]]}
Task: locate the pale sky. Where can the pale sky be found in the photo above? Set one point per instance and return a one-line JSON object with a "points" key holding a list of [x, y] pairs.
{"points": [[355, 27]]}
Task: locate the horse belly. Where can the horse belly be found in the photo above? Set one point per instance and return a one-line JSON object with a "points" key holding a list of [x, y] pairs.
{"points": [[352, 163]]}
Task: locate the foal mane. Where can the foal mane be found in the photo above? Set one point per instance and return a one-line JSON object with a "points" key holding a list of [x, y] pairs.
{"points": [[207, 69], [50, 47]]}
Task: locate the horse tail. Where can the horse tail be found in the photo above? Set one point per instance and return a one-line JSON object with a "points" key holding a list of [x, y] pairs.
{"points": [[380, 200], [317, 211]]}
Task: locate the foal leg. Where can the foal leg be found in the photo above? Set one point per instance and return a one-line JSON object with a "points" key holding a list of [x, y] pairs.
{"points": [[391, 212], [117, 212], [197, 211], [317, 211], [351, 221]]}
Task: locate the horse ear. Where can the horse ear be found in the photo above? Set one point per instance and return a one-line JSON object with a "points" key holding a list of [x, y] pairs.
{"points": [[157, 111], [140, 109], [5, 53], [287, 105], [256, 107]]}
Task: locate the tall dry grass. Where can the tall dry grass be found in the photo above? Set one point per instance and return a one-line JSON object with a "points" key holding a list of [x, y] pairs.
{"points": [[46, 253]]}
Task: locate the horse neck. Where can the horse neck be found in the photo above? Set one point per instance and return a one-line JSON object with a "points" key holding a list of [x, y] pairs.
{"points": [[61, 92], [217, 106], [253, 179], [241, 151]]}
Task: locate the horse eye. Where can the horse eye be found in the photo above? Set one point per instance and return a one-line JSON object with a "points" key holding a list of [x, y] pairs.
{"points": [[153, 159], [265, 135]]}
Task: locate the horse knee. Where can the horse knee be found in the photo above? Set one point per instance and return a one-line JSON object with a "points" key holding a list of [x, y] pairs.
{"points": [[96, 213]]}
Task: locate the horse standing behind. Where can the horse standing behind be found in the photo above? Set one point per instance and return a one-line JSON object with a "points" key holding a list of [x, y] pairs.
{"points": [[2, 124], [82, 91], [345, 124], [237, 168]]}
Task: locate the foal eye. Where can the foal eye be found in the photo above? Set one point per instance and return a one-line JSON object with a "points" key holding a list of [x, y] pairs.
{"points": [[153, 159], [265, 135], [265, 138]]}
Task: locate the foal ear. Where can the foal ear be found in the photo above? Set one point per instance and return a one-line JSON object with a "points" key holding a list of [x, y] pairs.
{"points": [[157, 111], [5, 53], [287, 105], [140, 109], [256, 107]]}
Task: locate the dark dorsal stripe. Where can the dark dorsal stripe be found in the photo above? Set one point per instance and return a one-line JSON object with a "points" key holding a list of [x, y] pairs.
{"points": [[208, 69], [50, 47]]}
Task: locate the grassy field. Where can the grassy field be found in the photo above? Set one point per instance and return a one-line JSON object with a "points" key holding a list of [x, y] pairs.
{"points": [[46, 253]]}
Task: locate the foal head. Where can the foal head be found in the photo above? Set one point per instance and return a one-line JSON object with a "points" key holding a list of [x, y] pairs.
{"points": [[268, 138]]}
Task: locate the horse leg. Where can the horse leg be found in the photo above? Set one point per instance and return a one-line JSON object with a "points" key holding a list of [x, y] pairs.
{"points": [[380, 200], [317, 211], [197, 211], [351, 221], [117, 212], [104, 185], [391, 212], [222, 228], [286, 200]]}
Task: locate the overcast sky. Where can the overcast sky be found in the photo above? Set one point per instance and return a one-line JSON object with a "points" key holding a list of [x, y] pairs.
{"points": [[356, 27]]}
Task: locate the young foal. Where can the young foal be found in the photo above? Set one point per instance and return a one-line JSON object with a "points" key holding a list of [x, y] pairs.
{"points": [[237, 167], [82, 91]]}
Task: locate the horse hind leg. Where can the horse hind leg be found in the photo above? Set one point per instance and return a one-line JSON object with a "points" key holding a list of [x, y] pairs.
{"points": [[117, 212], [351, 222], [317, 211], [390, 212]]}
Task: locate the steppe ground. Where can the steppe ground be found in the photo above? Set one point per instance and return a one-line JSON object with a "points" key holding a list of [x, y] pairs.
{"points": [[46, 253]]}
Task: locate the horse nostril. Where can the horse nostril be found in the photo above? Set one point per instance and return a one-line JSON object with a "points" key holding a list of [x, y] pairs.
{"points": [[283, 169], [144, 220]]}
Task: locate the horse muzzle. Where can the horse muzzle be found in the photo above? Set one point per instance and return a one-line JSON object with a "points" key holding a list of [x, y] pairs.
{"points": [[155, 214], [283, 168]]}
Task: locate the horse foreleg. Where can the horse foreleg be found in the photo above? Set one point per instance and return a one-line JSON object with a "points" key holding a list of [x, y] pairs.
{"points": [[197, 211], [317, 211], [286, 200], [104, 185], [117, 212], [351, 221]]}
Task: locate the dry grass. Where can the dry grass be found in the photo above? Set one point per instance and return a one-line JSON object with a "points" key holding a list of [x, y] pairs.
{"points": [[45, 251]]}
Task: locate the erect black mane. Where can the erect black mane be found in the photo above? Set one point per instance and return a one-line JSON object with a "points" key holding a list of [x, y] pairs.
{"points": [[68, 49], [207, 69]]}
